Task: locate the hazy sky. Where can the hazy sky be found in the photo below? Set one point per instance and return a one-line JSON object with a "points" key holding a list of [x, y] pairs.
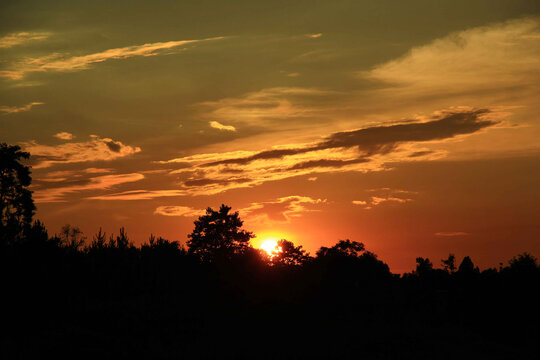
{"points": [[411, 126]]}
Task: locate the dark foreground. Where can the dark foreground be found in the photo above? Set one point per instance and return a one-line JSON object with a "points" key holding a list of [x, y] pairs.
{"points": [[113, 300]]}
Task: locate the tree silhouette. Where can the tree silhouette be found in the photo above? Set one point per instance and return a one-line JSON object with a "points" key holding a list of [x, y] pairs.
{"points": [[349, 265], [523, 263], [467, 266], [423, 266], [344, 248], [98, 241], [289, 254], [449, 264], [218, 235], [16, 204], [72, 237], [163, 247], [122, 240]]}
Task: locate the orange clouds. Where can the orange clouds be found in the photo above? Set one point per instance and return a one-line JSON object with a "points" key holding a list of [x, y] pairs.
{"points": [[95, 149], [56, 194], [140, 195], [60, 62], [451, 234], [64, 136], [21, 38], [219, 126], [366, 149], [384, 195], [282, 209], [16, 109], [178, 211], [268, 104], [361, 150], [476, 60]]}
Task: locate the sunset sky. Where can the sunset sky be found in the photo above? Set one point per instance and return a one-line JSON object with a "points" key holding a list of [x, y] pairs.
{"points": [[411, 126]]}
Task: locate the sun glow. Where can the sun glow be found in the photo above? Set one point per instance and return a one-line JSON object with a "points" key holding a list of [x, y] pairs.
{"points": [[270, 246]]}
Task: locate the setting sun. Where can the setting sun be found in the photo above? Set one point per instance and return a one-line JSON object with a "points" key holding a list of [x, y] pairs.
{"points": [[270, 246]]}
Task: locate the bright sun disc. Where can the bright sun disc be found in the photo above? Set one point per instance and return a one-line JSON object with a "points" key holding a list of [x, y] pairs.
{"points": [[270, 246]]}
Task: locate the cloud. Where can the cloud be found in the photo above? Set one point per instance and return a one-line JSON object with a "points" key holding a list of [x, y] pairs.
{"points": [[178, 211], [316, 56], [259, 107], [362, 150], [140, 195], [204, 182], [21, 38], [326, 163], [219, 126], [16, 109], [384, 195], [314, 36], [476, 60], [282, 209], [96, 149], [376, 200], [209, 157], [59, 62], [452, 233], [421, 153], [63, 175], [64, 136], [263, 155], [57, 193], [384, 139]]}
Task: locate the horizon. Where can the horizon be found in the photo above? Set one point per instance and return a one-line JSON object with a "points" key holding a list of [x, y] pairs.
{"points": [[411, 128]]}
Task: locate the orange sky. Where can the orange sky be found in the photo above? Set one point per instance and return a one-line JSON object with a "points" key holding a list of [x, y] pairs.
{"points": [[410, 127]]}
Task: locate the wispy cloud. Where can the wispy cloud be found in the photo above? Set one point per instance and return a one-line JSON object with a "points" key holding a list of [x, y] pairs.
{"points": [[61, 62], [385, 195], [376, 200], [57, 194], [209, 157], [451, 233], [268, 104], [141, 195], [95, 149], [366, 149], [63, 175], [282, 209], [219, 126], [314, 36], [316, 56], [484, 58], [16, 109], [64, 136], [172, 210], [21, 38], [384, 139]]}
